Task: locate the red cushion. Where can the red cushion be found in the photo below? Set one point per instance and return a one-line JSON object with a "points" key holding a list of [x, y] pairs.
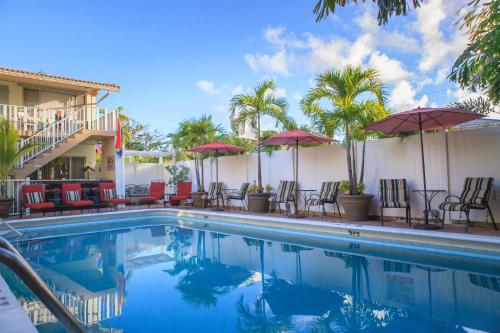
{"points": [[149, 199], [40, 206], [80, 203], [178, 197], [118, 201]]}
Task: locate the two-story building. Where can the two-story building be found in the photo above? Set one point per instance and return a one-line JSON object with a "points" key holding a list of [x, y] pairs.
{"points": [[74, 136]]}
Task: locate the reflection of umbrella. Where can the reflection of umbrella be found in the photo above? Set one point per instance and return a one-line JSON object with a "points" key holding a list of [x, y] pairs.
{"points": [[290, 248], [217, 148], [286, 298], [295, 137], [423, 119]]}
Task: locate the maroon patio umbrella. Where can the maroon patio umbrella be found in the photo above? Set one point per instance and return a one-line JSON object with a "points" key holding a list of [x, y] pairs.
{"points": [[217, 148], [423, 119], [295, 138]]}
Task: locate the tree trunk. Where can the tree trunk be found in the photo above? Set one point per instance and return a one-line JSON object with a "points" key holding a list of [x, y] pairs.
{"points": [[197, 171], [202, 186], [259, 169], [355, 164], [362, 173], [349, 161]]}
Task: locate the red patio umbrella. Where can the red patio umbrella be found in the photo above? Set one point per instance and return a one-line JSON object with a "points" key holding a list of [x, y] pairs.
{"points": [[217, 148], [423, 119], [295, 138]]}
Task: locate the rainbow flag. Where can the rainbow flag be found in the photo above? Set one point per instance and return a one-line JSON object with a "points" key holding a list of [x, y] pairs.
{"points": [[119, 138]]}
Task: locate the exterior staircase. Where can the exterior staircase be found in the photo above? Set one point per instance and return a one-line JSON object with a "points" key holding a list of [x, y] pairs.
{"points": [[59, 137]]}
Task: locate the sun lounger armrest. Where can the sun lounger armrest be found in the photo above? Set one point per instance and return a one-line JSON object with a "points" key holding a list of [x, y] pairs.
{"points": [[313, 196], [447, 199]]}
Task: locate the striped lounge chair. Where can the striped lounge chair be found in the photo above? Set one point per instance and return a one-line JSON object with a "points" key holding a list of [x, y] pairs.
{"points": [[34, 199], [239, 195], [394, 194], [107, 194], [72, 197], [284, 194], [214, 193], [475, 195], [328, 194]]}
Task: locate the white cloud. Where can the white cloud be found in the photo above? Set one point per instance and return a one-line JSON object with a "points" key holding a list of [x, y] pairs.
{"points": [[403, 97], [391, 70], [398, 41], [280, 92], [442, 74], [277, 63], [208, 87], [278, 36]]}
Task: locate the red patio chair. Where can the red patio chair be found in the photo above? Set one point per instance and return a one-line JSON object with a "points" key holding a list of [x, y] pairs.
{"points": [[156, 193], [72, 194], [107, 194], [182, 194], [34, 199]]}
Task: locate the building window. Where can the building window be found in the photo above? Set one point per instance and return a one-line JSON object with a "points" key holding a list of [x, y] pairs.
{"points": [[64, 167]]}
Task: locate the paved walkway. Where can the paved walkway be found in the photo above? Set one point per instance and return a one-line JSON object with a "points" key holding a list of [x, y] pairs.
{"points": [[455, 228]]}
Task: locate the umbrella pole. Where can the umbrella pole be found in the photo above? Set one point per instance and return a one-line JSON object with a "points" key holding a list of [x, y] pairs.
{"points": [[426, 224], [217, 207], [296, 198]]}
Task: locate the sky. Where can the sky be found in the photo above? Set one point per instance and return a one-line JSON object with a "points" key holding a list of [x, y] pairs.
{"points": [[179, 59]]}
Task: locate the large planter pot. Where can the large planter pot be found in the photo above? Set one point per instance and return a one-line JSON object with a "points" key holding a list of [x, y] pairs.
{"points": [[356, 207], [198, 201], [5, 205], [258, 202]]}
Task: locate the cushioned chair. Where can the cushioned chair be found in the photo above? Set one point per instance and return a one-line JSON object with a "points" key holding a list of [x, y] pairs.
{"points": [[107, 194], [327, 195], [239, 195], [214, 193], [155, 194], [182, 193], [475, 195], [284, 194], [72, 196], [34, 199], [394, 194]]}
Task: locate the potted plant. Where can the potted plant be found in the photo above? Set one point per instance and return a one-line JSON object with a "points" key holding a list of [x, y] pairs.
{"points": [[357, 99], [268, 188], [246, 113], [9, 154]]}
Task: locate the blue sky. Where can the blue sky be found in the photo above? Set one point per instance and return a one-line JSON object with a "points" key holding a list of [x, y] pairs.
{"points": [[179, 59]]}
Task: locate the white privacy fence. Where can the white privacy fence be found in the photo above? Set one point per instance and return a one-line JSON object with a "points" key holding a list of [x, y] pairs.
{"points": [[472, 153]]}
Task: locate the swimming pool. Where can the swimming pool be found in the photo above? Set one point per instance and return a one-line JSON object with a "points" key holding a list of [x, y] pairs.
{"points": [[156, 276]]}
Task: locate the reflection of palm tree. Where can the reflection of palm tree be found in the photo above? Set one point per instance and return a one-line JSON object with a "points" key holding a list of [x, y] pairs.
{"points": [[253, 319], [180, 240]]}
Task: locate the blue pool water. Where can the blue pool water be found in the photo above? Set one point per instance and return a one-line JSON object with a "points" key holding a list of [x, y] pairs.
{"points": [[165, 278]]}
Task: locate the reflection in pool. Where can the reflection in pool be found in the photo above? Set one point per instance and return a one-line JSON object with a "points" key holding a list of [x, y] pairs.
{"points": [[172, 279]]}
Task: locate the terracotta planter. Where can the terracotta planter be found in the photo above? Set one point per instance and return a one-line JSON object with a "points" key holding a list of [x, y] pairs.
{"points": [[356, 207], [258, 202], [198, 201], [5, 205]]}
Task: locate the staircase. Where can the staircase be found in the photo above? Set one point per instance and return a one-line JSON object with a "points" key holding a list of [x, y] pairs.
{"points": [[59, 137]]}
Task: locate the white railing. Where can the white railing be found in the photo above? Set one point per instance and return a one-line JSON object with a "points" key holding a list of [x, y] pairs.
{"points": [[72, 122]]}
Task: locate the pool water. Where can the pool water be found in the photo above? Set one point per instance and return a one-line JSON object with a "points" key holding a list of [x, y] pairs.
{"points": [[166, 278]]}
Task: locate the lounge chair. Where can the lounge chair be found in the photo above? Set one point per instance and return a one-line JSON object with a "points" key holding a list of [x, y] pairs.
{"points": [[156, 193], [214, 193], [239, 195], [34, 199], [107, 194], [182, 193], [327, 195], [475, 195], [394, 193], [71, 196], [284, 194]]}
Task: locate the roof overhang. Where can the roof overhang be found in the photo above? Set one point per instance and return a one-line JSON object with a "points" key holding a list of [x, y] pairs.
{"points": [[57, 82]]}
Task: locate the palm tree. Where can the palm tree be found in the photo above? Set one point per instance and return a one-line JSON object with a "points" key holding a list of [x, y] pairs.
{"points": [[248, 110], [351, 94], [9, 153], [194, 132]]}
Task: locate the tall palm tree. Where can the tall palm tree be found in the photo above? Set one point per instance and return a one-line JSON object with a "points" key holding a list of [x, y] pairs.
{"points": [[338, 105], [248, 110], [194, 132], [9, 153]]}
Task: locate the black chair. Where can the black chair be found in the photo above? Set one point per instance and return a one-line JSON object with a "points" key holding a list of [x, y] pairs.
{"points": [[394, 194], [327, 195], [239, 195]]}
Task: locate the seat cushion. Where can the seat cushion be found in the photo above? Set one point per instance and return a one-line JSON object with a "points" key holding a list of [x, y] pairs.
{"points": [[118, 201], [453, 206], [80, 203], [40, 206], [148, 199], [178, 198], [393, 204]]}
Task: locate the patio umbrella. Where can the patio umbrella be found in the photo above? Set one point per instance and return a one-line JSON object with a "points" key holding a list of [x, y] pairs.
{"points": [[295, 138], [423, 119], [217, 148]]}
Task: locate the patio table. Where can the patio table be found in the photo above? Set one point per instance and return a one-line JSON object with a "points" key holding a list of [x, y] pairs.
{"points": [[431, 194], [306, 194]]}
